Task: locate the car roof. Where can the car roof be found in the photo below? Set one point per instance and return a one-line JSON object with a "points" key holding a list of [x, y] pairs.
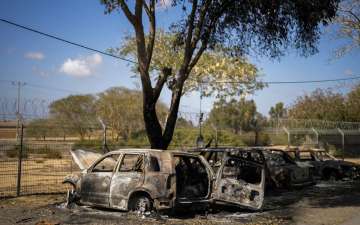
{"points": [[148, 150]]}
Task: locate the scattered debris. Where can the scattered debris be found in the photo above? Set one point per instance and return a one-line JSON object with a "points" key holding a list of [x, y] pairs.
{"points": [[24, 220]]}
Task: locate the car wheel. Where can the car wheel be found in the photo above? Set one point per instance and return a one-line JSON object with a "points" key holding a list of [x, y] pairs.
{"points": [[141, 204]]}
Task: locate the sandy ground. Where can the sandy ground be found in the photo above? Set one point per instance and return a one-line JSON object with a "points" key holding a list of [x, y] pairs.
{"points": [[324, 203]]}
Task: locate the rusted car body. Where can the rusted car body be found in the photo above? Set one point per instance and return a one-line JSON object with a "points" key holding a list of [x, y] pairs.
{"points": [[281, 171], [142, 179], [327, 167], [284, 172]]}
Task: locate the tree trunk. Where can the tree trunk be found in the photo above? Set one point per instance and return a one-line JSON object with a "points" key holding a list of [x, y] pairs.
{"points": [[157, 138], [152, 125]]}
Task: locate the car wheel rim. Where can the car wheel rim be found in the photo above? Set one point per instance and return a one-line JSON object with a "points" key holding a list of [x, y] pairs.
{"points": [[142, 205]]}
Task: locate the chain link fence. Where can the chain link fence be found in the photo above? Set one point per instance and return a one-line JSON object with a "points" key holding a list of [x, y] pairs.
{"points": [[33, 167], [36, 159]]}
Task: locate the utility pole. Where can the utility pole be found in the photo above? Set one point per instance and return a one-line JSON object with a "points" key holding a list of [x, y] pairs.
{"points": [[19, 84]]}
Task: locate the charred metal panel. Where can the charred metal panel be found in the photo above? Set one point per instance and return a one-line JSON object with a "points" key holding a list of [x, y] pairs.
{"points": [[95, 188], [84, 158], [240, 182]]}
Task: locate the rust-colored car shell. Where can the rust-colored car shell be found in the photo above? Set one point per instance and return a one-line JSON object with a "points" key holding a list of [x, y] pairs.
{"points": [[168, 178]]}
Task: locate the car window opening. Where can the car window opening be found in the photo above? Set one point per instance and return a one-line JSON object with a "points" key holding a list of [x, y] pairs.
{"points": [[107, 164], [154, 165], [241, 170], [192, 179], [132, 163]]}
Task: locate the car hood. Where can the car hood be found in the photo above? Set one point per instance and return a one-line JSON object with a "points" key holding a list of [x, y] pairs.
{"points": [[84, 159]]}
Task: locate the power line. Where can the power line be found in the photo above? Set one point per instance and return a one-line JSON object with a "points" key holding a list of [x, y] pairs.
{"points": [[289, 82], [52, 88], [66, 41], [134, 62], [312, 81]]}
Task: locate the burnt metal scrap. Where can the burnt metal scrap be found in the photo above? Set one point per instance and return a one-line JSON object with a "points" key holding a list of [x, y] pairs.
{"points": [[143, 179]]}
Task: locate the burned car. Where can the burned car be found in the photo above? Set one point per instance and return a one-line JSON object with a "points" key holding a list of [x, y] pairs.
{"points": [[281, 171], [143, 179], [284, 172], [327, 167]]}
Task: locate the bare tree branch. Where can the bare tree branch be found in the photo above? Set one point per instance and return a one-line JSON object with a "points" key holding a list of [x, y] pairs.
{"points": [[166, 72], [188, 49], [200, 23], [127, 11], [152, 30]]}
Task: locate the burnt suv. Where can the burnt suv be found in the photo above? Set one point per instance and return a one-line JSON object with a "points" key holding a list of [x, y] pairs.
{"points": [[143, 179], [327, 167]]}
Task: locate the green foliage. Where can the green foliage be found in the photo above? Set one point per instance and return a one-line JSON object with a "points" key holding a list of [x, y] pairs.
{"points": [[278, 111], [75, 111], [233, 114], [328, 105], [320, 104], [40, 128], [353, 104], [212, 67], [121, 109]]}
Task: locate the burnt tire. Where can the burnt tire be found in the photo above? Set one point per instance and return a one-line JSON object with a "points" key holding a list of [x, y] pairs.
{"points": [[141, 203]]}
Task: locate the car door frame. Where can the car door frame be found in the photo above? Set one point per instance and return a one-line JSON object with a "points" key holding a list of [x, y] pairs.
{"points": [[254, 204], [118, 197], [211, 177], [90, 179]]}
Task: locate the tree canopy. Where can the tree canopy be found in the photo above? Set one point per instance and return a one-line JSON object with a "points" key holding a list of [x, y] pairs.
{"points": [[353, 104], [320, 104], [121, 109], [348, 26], [76, 112], [233, 114], [218, 73], [238, 27], [278, 111]]}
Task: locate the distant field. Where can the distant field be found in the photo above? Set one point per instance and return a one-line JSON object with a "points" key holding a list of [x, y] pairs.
{"points": [[39, 175]]}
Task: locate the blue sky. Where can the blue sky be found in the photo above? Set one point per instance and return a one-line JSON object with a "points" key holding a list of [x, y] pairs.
{"points": [[37, 60]]}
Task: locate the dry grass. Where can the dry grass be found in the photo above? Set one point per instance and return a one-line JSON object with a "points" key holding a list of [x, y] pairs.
{"points": [[39, 175]]}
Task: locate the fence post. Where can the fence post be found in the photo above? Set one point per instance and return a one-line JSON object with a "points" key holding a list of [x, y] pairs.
{"points": [[288, 135], [20, 155], [316, 134], [342, 138]]}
